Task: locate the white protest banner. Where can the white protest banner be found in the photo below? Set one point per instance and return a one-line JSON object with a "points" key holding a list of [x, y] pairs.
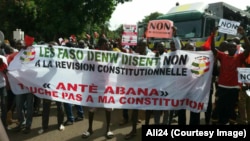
{"points": [[129, 39], [129, 35], [177, 80], [228, 27], [243, 75], [130, 28]]}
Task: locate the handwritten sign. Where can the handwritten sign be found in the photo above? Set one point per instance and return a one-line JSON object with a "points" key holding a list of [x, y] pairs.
{"points": [[159, 29], [228, 27]]}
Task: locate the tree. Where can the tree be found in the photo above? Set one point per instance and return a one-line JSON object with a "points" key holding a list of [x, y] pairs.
{"points": [[48, 20], [152, 16], [248, 9], [116, 34], [17, 14]]}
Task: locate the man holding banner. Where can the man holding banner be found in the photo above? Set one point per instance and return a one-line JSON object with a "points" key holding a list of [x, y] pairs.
{"points": [[103, 44], [141, 49], [96, 76]]}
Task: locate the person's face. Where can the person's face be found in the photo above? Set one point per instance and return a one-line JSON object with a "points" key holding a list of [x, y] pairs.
{"points": [[160, 48], [172, 46], [20, 45], [141, 48], [109, 46], [189, 47]]}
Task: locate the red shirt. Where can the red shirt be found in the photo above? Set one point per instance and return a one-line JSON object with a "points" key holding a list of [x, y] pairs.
{"points": [[228, 70]]}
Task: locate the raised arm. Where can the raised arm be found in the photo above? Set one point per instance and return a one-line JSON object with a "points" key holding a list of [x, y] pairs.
{"points": [[246, 41], [212, 41], [176, 39]]}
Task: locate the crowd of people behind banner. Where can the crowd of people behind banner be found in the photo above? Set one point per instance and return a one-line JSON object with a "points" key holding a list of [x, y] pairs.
{"points": [[230, 95]]}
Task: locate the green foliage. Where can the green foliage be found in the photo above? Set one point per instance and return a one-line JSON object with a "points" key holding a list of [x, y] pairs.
{"points": [[17, 14], [152, 16], [116, 34], [50, 19], [248, 9]]}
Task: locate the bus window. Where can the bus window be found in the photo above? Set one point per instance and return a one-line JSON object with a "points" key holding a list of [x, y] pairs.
{"points": [[209, 26]]}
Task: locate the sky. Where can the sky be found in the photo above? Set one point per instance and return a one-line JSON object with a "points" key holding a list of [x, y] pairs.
{"points": [[132, 12]]}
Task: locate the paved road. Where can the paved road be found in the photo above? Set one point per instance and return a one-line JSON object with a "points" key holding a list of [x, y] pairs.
{"points": [[73, 132]]}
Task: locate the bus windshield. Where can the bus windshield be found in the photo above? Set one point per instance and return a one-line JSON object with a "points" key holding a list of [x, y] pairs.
{"points": [[189, 29]]}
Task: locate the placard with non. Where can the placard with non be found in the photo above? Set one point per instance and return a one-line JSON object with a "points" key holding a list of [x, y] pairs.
{"points": [[228, 26]]}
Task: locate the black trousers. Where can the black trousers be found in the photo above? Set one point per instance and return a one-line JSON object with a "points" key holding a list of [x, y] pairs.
{"points": [[46, 112], [227, 100]]}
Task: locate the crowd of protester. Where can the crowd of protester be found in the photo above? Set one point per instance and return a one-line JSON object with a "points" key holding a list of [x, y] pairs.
{"points": [[230, 95]]}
